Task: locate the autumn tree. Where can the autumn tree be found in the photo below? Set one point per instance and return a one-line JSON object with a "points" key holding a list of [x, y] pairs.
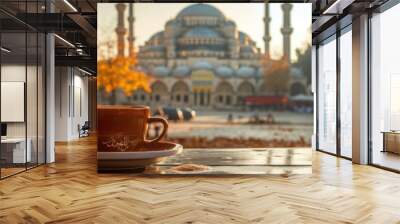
{"points": [[304, 62], [120, 73], [276, 75]]}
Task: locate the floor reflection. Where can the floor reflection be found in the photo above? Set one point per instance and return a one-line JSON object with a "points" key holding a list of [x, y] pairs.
{"points": [[386, 159]]}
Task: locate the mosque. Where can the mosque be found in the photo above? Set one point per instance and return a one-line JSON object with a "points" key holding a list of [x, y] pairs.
{"points": [[202, 60]]}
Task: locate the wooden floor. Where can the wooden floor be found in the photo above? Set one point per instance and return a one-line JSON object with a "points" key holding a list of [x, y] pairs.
{"points": [[71, 191], [5, 172]]}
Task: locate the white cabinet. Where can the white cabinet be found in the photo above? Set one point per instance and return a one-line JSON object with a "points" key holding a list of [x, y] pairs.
{"points": [[17, 146]]}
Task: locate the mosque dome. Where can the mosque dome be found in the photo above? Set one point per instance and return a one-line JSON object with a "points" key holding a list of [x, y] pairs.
{"points": [[199, 37], [242, 37], [245, 72], [172, 23], [181, 71], [155, 48], [200, 9], [296, 72], [201, 32], [142, 69], [202, 65], [224, 71], [260, 72], [248, 49], [161, 71], [157, 35], [230, 23]]}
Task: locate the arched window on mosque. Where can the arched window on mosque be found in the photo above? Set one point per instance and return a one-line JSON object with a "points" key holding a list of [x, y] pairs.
{"points": [[157, 97], [220, 98]]}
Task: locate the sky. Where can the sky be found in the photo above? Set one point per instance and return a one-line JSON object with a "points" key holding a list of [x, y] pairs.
{"points": [[151, 18]]}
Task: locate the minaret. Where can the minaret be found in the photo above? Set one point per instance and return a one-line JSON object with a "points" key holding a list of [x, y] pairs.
{"points": [[286, 30], [267, 36], [120, 30], [131, 37]]}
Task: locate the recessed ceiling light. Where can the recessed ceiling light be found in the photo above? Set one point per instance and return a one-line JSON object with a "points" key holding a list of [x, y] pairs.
{"points": [[5, 50], [64, 40], [337, 7], [84, 71], [70, 5]]}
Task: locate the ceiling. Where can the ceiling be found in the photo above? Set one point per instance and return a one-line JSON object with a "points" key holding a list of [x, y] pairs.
{"points": [[75, 22]]}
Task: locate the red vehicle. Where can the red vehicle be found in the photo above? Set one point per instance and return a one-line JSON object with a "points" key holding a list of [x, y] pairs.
{"points": [[267, 102]]}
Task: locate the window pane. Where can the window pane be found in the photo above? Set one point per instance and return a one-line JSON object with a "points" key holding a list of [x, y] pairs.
{"points": [[346, 94], [327, 96], [385, 89]]}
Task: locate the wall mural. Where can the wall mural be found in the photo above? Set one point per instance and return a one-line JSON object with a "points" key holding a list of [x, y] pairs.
{"points": [[219, 77]]}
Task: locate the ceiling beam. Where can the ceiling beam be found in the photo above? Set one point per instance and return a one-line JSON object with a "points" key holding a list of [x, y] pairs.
{"points": [[320, 22], [337, 7], [81, 61], [84, 24]]}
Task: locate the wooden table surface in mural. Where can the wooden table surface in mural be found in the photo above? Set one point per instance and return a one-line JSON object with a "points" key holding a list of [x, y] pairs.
{"points": [[277, 161]]}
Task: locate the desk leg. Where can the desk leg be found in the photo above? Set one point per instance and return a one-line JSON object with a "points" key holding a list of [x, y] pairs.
{"points": [[384, 142]]}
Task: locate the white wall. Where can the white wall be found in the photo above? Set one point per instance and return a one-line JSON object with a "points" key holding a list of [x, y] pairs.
{"points": [[33, 126], [61, 103], [15, 73], [71, 102]]}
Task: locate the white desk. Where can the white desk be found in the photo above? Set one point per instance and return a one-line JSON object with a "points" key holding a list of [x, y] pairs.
{"points": [[18, 149]]}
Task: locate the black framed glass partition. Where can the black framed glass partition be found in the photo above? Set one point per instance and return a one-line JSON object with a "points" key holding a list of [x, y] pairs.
{"points": [[334, 93], [14, 145], [22, 87]]}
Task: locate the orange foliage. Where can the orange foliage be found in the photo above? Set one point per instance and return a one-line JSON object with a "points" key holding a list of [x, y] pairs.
{"points": [[272, 66], [276, 75], [120, 73]]}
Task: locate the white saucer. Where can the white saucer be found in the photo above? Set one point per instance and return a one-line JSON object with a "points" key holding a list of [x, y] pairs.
{"points": [[176, 149], [144, 157]]}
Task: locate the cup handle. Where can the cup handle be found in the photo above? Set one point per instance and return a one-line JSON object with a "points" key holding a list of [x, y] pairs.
{"points": [[164, 131]]}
